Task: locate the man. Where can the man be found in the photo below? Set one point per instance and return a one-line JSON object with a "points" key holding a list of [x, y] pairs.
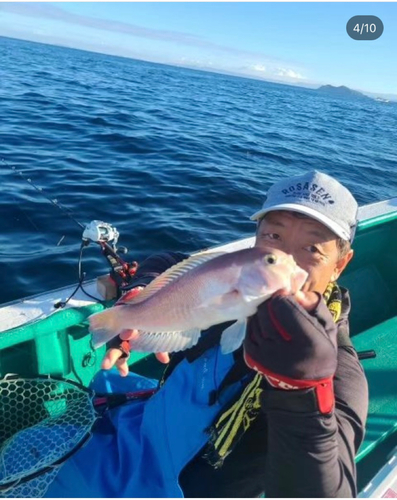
{"points": [[285, 414]]}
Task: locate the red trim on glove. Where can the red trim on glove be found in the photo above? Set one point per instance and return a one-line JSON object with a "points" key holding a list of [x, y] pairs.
{"points": [[325, 396], [286, 336], [324, 387]]}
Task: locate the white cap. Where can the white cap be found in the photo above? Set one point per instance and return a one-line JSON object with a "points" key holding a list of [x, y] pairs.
{"points": [[318, 196]]}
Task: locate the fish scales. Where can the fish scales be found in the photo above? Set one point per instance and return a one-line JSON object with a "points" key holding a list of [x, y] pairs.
{"points": [[202, 291], [185, 295]]}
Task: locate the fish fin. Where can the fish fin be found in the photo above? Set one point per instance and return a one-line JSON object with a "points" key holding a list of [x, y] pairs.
{"points": [[103, 326], [233, 336], [222, 300], [165, 342], [172, 274], [256, 299], [101, 337]]}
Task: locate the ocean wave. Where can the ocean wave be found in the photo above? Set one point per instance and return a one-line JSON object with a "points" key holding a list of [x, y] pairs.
{"points": [[176, 159]]}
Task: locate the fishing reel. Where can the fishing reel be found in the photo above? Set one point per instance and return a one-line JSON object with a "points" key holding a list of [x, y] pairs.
{"points": [[107, 236], [99, 231]]}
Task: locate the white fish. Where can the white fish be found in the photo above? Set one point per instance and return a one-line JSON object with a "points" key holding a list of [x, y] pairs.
{"points": [[201, 291]]}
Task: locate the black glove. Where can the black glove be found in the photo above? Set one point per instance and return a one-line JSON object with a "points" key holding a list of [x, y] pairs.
{"points": [[294, 348]]}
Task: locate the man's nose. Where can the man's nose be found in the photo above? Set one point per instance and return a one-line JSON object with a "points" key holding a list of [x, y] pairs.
{"points": [[288, 248]]}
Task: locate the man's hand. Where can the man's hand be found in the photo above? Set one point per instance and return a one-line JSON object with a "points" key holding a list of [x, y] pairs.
{"points": [[119, 354], [116, 356], [291, 340]]}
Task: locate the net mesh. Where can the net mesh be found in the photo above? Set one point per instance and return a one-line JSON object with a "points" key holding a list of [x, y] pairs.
{"points": [[35, 488], [41, 421]]}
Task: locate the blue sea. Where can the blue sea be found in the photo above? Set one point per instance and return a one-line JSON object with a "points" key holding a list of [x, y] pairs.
{"points": [[175, 159]]}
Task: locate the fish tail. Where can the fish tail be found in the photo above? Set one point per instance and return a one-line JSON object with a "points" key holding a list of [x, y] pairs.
{"points": [[103, 326]]}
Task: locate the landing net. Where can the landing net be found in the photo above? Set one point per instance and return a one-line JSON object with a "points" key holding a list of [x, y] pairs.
{"points": [[43, 421]]}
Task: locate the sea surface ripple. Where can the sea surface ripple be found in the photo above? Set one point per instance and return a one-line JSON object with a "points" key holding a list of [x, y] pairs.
{"points": [[175, 159]]}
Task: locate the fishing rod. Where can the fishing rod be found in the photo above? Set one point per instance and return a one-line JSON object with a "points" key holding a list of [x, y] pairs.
{"points": [[54, 202], [99, 232]]}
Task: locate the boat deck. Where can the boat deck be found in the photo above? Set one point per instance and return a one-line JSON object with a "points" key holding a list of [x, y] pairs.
{"points": [[371, 279]]}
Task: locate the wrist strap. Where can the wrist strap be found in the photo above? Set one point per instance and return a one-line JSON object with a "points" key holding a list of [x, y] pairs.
{"points": [[124, 347]]}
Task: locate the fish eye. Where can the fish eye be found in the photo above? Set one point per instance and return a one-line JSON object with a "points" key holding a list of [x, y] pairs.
{"points": [[270, 259]]}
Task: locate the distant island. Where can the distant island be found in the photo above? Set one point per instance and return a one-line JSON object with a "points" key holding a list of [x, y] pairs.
{"points": [[341, 91]]}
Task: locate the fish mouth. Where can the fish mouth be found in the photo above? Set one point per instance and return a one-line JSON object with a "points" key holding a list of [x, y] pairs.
{"points": [[298, 279]]}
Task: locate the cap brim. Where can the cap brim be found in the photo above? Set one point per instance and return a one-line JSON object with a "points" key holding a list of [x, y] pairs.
{"points": [[330, 224]]}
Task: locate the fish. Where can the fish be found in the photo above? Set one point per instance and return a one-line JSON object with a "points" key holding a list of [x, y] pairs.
{"points": [[203, 290]]}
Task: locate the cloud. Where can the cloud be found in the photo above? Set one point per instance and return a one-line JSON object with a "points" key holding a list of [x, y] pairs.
{"points": [[197, 62], [212, 56], [289, 73], [259, 67], [48, 11], [273, 72], [55, 13]]}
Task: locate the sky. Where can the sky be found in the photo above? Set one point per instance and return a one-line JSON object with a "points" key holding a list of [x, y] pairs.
{"points": [[302, 43]]}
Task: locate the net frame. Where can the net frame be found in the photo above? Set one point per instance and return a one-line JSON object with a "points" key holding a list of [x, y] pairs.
{"points": [[57, 404]]}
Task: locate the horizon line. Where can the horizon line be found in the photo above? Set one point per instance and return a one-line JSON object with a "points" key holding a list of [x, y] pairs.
{"points": [[308, 86]]}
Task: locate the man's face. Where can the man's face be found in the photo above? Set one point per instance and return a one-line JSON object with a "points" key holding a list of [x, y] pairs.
{"points": [[313, 246]]}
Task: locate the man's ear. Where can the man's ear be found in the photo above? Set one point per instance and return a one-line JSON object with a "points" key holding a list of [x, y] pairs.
{"points": [[341, 264]]}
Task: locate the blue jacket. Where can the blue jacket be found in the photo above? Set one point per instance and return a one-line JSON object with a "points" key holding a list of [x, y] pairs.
{"points": [[140, 448]]}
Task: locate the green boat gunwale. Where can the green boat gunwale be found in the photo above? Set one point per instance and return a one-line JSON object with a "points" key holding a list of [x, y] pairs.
{"points": [[59, 345]]}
